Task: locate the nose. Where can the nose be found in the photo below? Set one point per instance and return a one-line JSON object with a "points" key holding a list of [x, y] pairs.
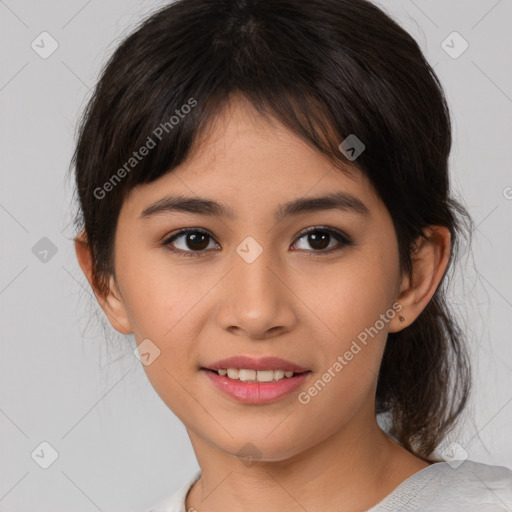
{"points": [[257, 300]]}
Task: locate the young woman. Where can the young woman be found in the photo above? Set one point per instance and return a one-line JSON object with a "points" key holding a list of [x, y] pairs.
{"points": [[265, 205]]}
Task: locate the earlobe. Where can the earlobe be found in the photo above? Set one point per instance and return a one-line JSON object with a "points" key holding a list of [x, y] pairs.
{"points": [[110, 300], [429, 263]]}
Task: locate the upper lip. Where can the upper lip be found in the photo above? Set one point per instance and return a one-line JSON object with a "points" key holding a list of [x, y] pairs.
{"points": [[260, 363]]}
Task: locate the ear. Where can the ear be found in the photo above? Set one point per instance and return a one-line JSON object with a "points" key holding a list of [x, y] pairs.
{"points": [[110, 301], [430, 260]]}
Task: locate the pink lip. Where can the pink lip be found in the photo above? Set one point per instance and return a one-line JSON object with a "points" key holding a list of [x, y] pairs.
{"points": [[255, 392], [262, 363]]}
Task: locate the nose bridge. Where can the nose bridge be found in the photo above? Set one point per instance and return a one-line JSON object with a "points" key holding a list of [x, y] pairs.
{"points": [[256, 300], [254, 273]]}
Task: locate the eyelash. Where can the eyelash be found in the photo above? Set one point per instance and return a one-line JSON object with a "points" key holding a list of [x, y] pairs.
{"points": [[337, 235]]}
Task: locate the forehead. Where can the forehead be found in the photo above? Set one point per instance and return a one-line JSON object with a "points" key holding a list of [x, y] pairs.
{"points": [[239, 138], [250, 162]]}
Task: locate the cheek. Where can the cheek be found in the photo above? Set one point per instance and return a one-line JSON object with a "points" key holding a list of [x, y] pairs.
{"points": [[349, 296], [165, 302], [158, 293], [354, 303]]}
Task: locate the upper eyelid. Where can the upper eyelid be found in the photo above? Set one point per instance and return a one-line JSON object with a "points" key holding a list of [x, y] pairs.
{"points": [[320, 228], [184, 231]]}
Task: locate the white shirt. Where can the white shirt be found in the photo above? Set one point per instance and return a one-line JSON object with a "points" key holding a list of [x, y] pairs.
{"points": [[470, 487]]}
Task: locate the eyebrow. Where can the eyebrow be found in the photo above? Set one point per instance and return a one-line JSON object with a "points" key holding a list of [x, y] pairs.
{"points": [[202, 206]]}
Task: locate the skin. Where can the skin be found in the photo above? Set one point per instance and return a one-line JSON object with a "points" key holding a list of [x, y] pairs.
{"points": [[292, 302]]}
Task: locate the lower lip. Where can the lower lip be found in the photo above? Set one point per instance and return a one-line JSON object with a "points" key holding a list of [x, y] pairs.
{"points": [[256, 392]]}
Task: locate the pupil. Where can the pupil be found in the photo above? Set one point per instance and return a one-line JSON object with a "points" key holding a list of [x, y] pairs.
{"points": [[319, 241], [194, 238]]}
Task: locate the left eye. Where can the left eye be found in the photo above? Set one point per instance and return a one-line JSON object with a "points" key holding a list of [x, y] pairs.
{"points": [[195, 241], [318, 236]]}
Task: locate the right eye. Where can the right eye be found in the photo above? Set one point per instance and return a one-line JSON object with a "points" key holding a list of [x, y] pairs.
{"points": [[192, 238]]}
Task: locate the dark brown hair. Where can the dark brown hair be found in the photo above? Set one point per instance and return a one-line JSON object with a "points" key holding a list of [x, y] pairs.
{"points": [[325, 69]]}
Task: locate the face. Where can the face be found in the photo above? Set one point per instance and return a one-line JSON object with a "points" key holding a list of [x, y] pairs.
{"points": [[308, 286]]}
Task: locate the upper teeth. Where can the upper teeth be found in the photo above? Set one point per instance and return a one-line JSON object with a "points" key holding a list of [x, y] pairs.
{"points": [[259, 375]]}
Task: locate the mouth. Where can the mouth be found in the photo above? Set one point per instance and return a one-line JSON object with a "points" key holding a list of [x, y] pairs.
{"points": [[251, 387], [255, 380]]}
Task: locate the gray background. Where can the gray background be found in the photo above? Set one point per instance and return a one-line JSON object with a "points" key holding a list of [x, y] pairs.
{"points": [[119, 447]]}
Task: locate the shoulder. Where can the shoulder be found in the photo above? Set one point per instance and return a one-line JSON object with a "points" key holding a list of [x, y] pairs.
{"points": [[478, 485], [468, 485], [176, 501], [476, 474]]}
